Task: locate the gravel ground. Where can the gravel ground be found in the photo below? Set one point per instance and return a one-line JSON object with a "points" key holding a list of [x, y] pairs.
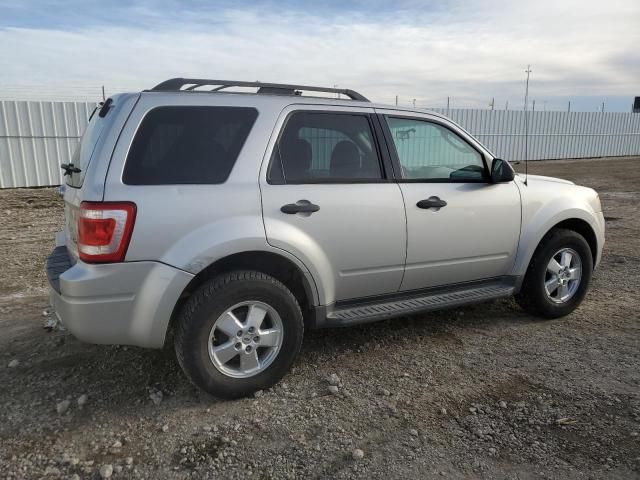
{"points": [[479, 392]]}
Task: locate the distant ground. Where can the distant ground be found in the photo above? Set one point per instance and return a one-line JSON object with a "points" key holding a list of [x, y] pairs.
{"points": [[480, 392]]}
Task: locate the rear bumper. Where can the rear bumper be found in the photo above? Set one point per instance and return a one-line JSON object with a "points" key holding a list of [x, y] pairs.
{"points": [[120, 303]]}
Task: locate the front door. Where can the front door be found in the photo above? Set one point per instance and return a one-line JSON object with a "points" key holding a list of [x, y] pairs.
{"points": [[460, 226], [326, 200]]}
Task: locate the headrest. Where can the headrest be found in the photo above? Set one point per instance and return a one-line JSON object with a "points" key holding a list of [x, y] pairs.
{"points": [[345, 159], [296, 158]]}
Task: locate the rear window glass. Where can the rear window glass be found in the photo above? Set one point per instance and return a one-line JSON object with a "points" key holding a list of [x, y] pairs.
{"points": [[84, 150], [187, 145]]}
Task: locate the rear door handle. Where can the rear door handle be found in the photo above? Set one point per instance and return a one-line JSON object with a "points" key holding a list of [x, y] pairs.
{"points": [[301, 206], [432, 202]]}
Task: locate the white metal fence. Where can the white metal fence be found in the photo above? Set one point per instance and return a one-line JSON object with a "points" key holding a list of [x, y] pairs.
{"points": [[36, 137], [552, 135]]}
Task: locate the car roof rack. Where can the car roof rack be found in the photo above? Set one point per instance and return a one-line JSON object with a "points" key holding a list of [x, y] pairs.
{"points": [[177, 84]]}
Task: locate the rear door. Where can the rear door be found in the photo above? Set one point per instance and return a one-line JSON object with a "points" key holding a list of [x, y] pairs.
{"points": [[460, 226], [327, 199]]}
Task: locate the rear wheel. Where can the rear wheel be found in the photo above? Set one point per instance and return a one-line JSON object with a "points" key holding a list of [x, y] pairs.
{"points": [[238, 333], [558, 276]]}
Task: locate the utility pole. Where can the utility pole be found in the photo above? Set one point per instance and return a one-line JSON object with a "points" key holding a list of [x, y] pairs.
{"points": [[448, 105], [602, 107], [396, 100], [526, 125], [103, 97], [526, 91], [506, 107], [493, 103], [569, 107]]}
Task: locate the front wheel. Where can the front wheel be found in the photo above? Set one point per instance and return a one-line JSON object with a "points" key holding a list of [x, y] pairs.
{"points": [[238, 333], [558, 276]]}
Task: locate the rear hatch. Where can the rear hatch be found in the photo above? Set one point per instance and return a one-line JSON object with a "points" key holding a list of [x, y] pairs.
{"points": [[73, 193], [92, 157]]}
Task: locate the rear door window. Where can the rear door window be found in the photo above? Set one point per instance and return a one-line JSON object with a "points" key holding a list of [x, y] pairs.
{"points": [[187, 145], [322, 147]]}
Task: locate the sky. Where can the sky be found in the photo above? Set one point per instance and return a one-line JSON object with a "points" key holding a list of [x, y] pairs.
{"points": [[586, 52]]}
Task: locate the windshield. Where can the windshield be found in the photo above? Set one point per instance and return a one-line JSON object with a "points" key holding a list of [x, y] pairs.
{"points": [[82, 155]]}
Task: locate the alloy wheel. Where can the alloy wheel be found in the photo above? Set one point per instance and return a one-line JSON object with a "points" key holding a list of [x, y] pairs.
{"points": [[245, 339], [563, 275]]}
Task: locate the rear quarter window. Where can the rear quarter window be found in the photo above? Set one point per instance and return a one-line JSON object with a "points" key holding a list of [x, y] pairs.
{"points": [[187, 145]]}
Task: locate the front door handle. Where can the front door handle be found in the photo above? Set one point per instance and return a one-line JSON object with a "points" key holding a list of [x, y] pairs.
{"points": [[301, 206], [432, 202]]}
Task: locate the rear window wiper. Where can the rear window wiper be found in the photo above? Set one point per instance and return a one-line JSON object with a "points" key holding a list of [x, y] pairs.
{"points": [[69, 168], [104, 108]]}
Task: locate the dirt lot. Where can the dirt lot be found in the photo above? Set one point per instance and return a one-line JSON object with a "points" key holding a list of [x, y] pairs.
{"points": [[480, 392]]}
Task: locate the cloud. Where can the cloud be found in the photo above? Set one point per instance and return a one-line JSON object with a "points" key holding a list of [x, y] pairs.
{"points": [[471, 51]]}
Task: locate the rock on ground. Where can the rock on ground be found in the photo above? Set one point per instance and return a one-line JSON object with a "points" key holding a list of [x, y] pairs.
{"points": [[63, 406], [106, 471]]}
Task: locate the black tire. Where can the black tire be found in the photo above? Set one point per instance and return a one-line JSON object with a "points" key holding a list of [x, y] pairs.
{"points": [[211, 300], [532, 296]]}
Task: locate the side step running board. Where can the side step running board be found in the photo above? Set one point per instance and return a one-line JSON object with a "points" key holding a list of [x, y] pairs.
{"points": [[422, 302]]}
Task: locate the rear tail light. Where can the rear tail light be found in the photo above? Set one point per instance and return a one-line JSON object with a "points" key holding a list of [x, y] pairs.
{"points": [[104, 231]]}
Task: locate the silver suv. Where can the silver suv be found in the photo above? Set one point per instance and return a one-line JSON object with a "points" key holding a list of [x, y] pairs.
{"points": [[235, 220]]}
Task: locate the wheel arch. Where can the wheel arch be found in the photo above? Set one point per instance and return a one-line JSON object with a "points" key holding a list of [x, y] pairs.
{"points": [[574, 223], [299, 282], [583, 228]]}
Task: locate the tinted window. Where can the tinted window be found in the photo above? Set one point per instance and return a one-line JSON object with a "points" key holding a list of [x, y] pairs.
{"points": [[181, 145], [429, 151], [84, 150], [325, 147]]}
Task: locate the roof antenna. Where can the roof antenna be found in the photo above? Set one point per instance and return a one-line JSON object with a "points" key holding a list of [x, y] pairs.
{"points": [[526, 127]]}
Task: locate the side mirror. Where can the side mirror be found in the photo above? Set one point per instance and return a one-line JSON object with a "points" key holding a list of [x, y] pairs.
{"points": [[501, 171]]}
